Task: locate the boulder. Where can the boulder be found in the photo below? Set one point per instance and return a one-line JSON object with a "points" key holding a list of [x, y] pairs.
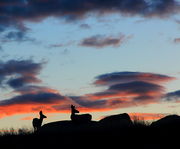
{"points": [[67, 127], [167, 121], [119, 120]]}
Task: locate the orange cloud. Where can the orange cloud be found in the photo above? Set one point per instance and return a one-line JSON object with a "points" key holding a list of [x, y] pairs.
{"points": [[27, 118], [124, 89], [123, 95], [10, 110]]}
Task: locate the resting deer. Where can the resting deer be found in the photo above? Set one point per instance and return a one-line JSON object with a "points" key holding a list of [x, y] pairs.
{"points": [[38, 122], [79, 118]]}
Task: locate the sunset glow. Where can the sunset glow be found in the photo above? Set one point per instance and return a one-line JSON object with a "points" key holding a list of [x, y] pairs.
{"points": [[104, 57]]}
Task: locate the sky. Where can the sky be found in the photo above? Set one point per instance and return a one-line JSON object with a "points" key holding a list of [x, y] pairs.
{"points": [[103, 56]]}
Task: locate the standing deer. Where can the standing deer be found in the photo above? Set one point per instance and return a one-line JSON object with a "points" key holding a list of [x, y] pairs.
{"points": [[79, 118], [38, 122]]}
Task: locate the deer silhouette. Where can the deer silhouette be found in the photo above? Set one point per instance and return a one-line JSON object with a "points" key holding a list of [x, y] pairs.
{"points": [[83, 118], [37, 122]]}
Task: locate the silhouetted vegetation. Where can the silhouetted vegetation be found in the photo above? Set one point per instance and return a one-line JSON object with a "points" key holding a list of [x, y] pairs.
{"points": [[66, 134]]}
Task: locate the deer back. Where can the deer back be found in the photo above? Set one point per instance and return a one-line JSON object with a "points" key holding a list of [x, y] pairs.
{"points": [[81, 118]]}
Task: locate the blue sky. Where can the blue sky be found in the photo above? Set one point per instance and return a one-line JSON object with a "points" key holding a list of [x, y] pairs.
{"points": [[65, 51]]}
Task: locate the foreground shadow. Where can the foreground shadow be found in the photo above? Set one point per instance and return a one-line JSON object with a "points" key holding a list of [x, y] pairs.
{"points": [[115, 131]]}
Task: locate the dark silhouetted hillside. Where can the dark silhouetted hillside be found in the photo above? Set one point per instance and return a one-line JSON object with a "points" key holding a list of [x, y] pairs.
{"points": [[98, 134]]}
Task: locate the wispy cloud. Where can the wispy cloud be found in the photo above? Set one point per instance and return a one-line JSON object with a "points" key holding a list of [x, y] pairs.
{"points": [[85, 26], [59, 45], [100, 41]]}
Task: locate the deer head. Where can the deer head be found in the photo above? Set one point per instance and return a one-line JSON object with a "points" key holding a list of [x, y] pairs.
{"points": [[73, 109], [42, 115]]}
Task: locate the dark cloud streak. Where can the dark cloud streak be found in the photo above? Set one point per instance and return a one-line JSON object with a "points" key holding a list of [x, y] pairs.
{"points": [[123, 77], [173, 96], [16, 12], [41, 98], [137, 87], [100, 41], [85, 26], [21, 81]]}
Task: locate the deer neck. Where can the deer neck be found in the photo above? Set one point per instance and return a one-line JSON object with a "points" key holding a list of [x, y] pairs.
{"points": [[73, 114], [41, 119]]}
